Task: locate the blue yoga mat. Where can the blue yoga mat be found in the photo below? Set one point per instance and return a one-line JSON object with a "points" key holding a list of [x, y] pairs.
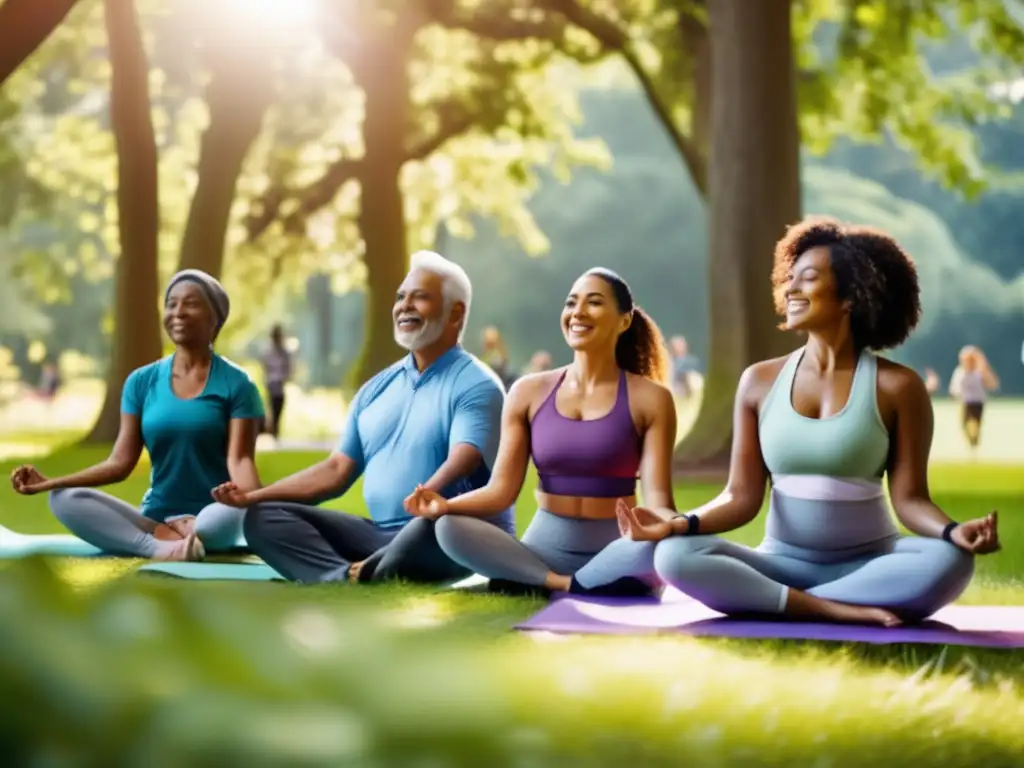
{"points": [[207, 571], [16, 545]]}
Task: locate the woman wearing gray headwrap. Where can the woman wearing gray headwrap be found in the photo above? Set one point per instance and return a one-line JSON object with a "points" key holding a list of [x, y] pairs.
{"points": [[196, 414]]}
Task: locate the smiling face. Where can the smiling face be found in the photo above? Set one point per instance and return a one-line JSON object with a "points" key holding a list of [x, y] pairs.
{"points": [[591, 318], [811, 299], [188, 317], [419, 310]]}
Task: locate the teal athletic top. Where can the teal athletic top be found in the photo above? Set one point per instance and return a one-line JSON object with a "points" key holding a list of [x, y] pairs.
{"points": [[827, 497], [187, 440]]}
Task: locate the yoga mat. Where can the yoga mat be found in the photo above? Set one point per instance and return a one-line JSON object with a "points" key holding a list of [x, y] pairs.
{"points": [[207, 571], [981, 626], [15, 545]]}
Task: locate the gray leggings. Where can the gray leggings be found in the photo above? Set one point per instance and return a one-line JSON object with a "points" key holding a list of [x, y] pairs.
{"points": [[551, 543], [912, 575], [312, 545], [117, 527]]}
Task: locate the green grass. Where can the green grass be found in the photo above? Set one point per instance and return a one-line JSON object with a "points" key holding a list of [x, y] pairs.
{"points": [[724, 702]]}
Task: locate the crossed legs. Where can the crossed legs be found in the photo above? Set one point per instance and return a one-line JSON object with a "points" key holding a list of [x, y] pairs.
{"points": [[117, 527]]}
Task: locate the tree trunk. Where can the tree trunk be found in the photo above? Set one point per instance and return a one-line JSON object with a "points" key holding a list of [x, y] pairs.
{"points": [[320, 302], [385, 83], [24, 26], [754, 185], [696, 42], [238, 95], [136, 338]]}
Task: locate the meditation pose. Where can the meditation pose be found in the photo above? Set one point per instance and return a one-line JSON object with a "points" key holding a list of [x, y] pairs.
{"points": [[432, 418], [590, 428], [197, 415], [824, 424]]}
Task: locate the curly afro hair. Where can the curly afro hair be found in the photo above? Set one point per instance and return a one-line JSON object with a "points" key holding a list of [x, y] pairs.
{"points": [[872, 273]]}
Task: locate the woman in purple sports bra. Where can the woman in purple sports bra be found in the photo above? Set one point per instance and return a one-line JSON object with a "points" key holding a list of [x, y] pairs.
{"points": [[592, 428]]}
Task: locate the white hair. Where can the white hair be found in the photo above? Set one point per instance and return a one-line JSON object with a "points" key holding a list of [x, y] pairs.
{"points": [[455, 285]]}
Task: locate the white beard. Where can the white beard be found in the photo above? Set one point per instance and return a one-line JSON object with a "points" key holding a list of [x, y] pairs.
{"points": [[429, 332]]}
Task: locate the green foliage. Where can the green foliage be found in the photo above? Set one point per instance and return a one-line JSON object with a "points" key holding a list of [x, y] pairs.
{"points": [[491, 101], [652, 230], [866, 75], [141, 674]]}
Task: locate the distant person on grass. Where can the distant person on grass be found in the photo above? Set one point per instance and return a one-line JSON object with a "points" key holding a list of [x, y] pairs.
{"points": [[824, 424], [971, 382], [591, 428], [196, 413], [277, 372], [50, 382], [430, 420], [685, 367]]}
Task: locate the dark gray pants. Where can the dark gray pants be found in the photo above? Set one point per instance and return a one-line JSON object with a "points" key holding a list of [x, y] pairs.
{"points": [[312, 545]]}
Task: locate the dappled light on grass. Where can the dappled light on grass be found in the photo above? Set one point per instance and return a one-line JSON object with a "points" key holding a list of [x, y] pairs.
{"points": [[425, 612], [90, 573], [407, 672], [282, 674], [718, 706]]}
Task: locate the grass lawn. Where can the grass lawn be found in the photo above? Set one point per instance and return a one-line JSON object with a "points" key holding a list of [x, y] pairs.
{"points": [[661, 700]]}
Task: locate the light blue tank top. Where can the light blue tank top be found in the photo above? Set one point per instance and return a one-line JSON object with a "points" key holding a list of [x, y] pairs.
{"points": [[827, 499]]}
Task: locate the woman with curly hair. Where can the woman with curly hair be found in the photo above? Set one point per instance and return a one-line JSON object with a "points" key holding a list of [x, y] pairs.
{"points": [[824, 425], [591, 428]]}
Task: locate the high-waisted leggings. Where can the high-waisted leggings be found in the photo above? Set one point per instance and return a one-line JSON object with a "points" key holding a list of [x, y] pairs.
{"points": [[551, 543], [912, 575]]}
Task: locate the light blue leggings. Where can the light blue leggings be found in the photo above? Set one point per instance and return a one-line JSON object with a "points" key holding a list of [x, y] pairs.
{"points": [[117, 527], [551, 543], [911, 575]]}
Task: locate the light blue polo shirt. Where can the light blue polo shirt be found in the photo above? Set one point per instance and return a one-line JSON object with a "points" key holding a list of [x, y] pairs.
{"points": [[402, 425], [187, 440]]}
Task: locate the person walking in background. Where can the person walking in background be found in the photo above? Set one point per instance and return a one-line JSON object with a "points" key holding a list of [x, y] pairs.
{"points": [[495, 354], [971, 382], [684, 365], [277, 372], [540, 361], [49, 382]]}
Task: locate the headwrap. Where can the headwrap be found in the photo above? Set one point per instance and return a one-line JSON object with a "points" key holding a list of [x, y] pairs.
{"points": [[212, 290]]}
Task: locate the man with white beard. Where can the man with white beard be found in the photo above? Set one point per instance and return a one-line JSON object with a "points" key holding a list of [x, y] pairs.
{"points": [[431, 419]]}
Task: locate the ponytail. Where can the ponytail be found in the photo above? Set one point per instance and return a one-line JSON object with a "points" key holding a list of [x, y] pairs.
{"points": [[641, 349]]}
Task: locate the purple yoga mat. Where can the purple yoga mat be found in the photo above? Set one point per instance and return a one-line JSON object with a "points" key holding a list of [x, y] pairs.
{"points": [[982, 626]]}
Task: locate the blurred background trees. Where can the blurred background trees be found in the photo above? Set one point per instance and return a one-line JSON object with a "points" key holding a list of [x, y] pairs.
{"points": [[303, 149]]}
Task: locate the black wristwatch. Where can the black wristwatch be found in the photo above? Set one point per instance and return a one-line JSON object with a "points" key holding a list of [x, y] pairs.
{"points": [[947, 532]]}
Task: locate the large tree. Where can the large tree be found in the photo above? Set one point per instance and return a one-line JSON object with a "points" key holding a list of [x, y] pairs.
{"points": [[136, 325], [859, 72], [754, 190], [439, 71], [239, 91]]}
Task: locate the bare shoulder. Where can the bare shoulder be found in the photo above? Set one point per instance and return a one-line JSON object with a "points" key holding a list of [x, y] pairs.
{"points": [[757, 380], [649, 393], [898, 381], [533, 388]]}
